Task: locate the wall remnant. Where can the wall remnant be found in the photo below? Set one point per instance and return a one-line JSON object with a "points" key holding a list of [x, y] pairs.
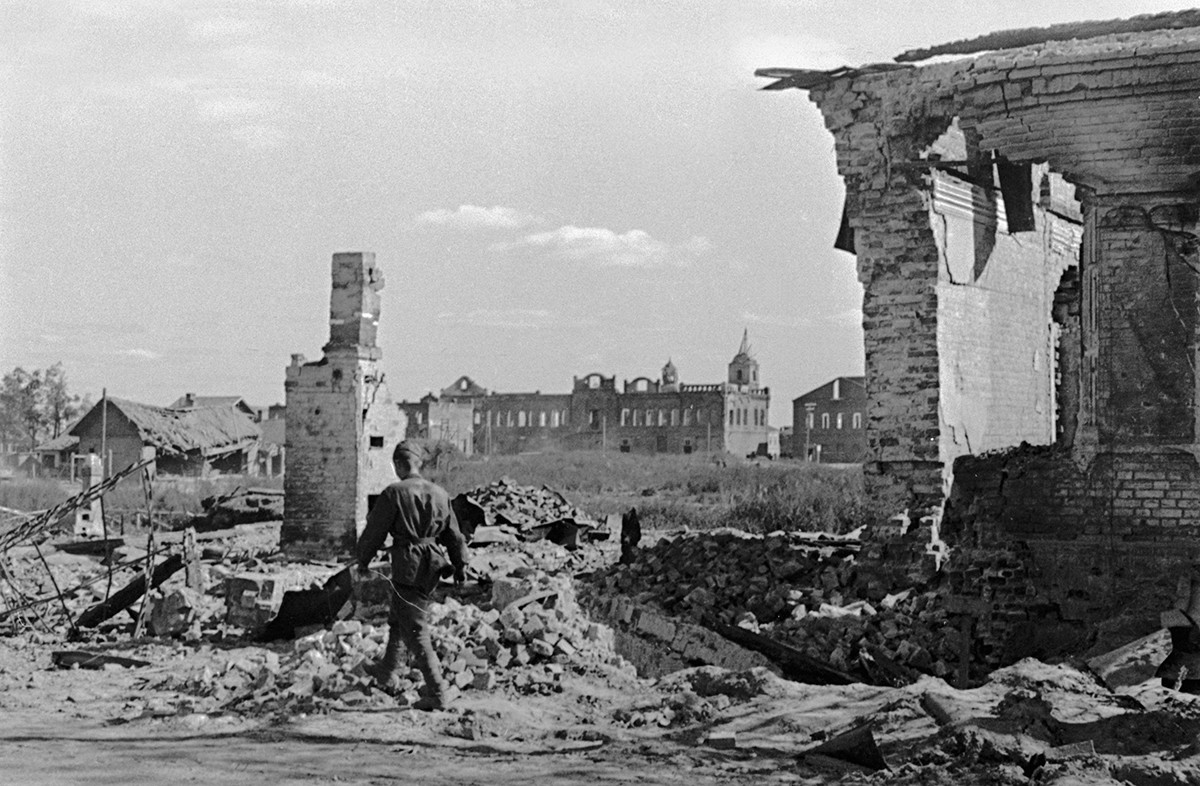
{"points": [[1025, 228], [341, 421]]}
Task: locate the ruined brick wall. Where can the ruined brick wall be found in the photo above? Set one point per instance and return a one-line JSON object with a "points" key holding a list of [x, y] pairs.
{"points": [[878, 119], [1112, 114], [967, 329], [1088, 540], [324, 431], [520, 422], [1144, 311], [342, 423]]}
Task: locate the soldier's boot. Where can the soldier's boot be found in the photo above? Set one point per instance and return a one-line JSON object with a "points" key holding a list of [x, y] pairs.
{"points": [[384, 669]]}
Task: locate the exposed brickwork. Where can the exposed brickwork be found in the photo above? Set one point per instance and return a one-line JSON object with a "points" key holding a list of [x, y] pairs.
{"points": [[1077, 331], [342, 423]]}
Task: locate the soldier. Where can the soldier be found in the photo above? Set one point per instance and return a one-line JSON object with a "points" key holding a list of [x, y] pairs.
{"points": [[416, 513]]}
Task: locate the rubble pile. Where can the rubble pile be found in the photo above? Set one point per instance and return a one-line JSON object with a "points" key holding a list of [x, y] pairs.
{"points": [[241, 506], [797, 589], [530, 635], [524, 511]]}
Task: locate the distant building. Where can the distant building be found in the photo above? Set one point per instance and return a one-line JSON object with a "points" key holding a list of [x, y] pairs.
{"points": [[192, 401], [272, 448], [198, 441], [646, 415], [828, 422], [442, 419]]}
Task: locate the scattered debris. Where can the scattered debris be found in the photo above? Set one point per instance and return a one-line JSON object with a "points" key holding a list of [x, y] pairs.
{"points": [[67, 659], [525, 511]]}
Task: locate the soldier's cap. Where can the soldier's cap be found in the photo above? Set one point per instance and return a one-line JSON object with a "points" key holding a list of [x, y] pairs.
{"points": [[409, 450]]}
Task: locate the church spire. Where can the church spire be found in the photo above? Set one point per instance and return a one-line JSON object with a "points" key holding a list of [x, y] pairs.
{"points": [[743, 369], [744, 349]]}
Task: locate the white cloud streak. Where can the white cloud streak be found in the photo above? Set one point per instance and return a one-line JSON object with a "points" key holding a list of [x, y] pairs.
{"points": [[476, 217], [139, 354], [604, 247]]}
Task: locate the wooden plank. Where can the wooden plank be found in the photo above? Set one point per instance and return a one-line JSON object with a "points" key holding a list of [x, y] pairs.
{"points": [[129, 594], [796, 665]]}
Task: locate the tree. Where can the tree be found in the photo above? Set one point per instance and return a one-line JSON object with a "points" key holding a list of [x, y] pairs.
{"points": [[36, 405], [21, 406], [61, 407]]}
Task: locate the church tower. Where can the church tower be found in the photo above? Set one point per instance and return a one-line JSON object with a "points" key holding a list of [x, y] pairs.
{"points": [[670, 378], [743, 369]]}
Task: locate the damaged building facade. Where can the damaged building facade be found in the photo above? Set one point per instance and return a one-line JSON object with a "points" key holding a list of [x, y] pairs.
{"points": [[342, 423], [643, 415], [1025, 228]]}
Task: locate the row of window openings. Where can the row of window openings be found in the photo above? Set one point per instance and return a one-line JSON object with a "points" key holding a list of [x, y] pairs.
{"points": [[855, 420], [660, 417], [523, 419], [741, 417]]}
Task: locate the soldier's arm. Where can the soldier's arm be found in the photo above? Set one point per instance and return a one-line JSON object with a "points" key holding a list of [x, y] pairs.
{"points": [[456, 545], [379, 526]]}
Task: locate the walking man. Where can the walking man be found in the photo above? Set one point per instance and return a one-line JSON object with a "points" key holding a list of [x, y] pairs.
{"points": [[416, 513]]}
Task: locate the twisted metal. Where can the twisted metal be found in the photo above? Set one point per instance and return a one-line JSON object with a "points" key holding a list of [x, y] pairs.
{"points": [[42, 521]]}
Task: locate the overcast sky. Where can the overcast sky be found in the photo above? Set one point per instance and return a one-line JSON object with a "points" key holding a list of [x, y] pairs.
{"points": [[550, 188]]}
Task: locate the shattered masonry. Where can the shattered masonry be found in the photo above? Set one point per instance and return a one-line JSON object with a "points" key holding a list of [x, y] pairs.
{"points": [[1025, 225], [342, 423]]}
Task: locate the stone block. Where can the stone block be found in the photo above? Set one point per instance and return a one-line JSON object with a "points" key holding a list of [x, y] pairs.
{"points": [[656, 626]]}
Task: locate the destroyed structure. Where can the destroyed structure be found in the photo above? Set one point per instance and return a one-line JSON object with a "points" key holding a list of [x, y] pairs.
{"points": [[195, 442], [645, 416], [1025, 227], [342, 423]]}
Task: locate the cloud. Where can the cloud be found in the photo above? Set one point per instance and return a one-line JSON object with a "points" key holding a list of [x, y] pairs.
{"points": [[140, 354], [261, 135], [222, 26], [235, 108], [475, 217], [600, 246], [487, 317]]}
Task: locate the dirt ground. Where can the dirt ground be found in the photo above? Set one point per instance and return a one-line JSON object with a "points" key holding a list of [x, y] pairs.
{"points": [[63, 726], [1031, 723]]}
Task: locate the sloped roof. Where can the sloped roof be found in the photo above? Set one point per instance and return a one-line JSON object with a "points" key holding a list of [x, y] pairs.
{"points": [[1031, 36], [64, 441], [198, 402], [860, 382], [464, 387], [182, 430]]}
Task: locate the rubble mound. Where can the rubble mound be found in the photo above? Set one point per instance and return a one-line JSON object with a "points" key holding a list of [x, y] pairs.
{"points": [[524, 511], [707, 681], [808, 591], [524, 644]]}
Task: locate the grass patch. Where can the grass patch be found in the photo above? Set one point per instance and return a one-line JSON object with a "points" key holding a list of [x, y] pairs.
{"points": [[177, 496], [694, 491]]}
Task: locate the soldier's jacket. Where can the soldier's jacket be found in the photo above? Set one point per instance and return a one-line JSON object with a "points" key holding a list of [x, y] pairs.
{"points": [[416, 513]]}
